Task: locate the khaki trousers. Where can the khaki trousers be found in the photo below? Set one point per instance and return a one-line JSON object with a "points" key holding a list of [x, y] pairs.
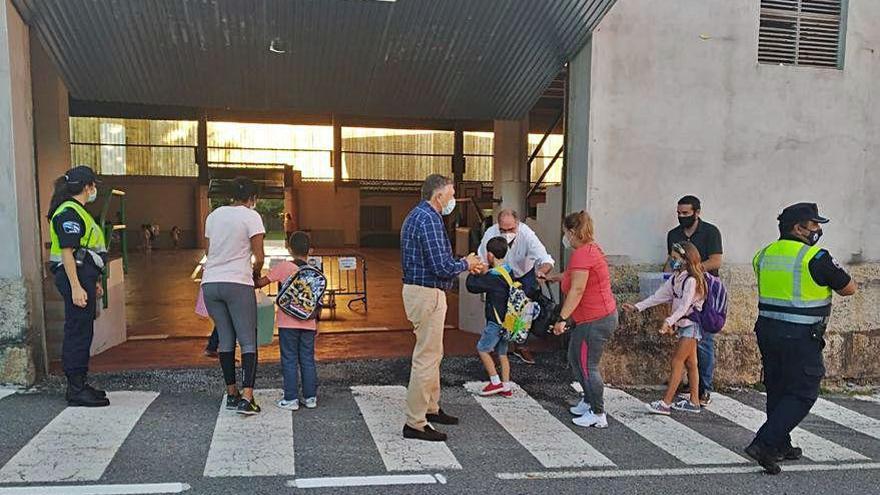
{"points": [[426, 310]]}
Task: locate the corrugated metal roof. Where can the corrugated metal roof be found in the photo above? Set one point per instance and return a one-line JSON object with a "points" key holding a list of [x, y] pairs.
{"points": [[477, 59]]}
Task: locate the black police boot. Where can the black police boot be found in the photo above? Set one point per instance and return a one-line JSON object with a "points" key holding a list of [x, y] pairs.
{"points": [[789, 453], [98, 392], [764, 456], [80, 396]]}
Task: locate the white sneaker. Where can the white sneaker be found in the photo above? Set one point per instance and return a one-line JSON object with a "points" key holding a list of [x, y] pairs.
{"points": [[592, 420], [311, 402], [290, 405], [582, 407]]}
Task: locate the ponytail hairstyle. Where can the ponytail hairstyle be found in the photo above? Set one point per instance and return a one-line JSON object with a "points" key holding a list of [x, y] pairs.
{"points": [[693, 265], [64, 190]]}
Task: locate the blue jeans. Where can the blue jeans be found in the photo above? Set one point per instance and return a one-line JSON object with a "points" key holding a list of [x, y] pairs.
{"points": [[298, 357], [706, 361]]}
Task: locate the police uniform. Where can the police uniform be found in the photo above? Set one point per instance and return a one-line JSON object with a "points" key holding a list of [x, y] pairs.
{"points": [[795, 284], [73, 227]]}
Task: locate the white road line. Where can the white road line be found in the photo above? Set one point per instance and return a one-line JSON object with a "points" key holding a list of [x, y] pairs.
{"points": [[678, 440], [865, 425], [259, 445], [79, 443], [690, 471], [868, 398], [552, 443], [6, 392], [815, 447], [386, 480], [145, 489], [383, 410]]}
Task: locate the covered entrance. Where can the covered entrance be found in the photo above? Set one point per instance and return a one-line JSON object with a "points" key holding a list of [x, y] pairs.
{"points": [[339, 108]]}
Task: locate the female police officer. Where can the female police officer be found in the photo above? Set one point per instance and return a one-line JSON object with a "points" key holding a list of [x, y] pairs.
{"points": [[77, 257]]}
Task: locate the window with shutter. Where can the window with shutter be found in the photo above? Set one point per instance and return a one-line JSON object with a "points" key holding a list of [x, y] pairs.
{"points": [[802, 32]]}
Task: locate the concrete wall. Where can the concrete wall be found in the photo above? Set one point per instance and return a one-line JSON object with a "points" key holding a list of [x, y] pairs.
{"points": [[332, 214], [21, 331], [167, 201], [51, 129], [680, 105], [400, 204]]}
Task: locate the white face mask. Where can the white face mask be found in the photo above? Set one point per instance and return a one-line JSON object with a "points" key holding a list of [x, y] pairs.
{"points": [[566, 242], [449, 208], [509, 237], [92, 196]]}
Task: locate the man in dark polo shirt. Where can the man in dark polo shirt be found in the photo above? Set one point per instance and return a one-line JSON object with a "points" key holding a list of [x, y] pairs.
{"points": [[707, 238]]}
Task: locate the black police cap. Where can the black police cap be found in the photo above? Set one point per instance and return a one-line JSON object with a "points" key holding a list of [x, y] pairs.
{"points": [[81, 174], [801, 212]]}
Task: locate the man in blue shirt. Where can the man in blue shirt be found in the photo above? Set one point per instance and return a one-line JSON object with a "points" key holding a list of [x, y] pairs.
{"points": [[429, 269]]}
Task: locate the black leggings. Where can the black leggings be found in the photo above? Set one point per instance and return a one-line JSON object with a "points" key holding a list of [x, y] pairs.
{"points": [[248, 366]]}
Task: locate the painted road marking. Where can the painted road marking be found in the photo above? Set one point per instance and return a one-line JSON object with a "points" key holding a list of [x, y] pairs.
{"points": [[678, 440], [383, 410], [868, 398], [144, 489], [689, 471], [259, 445], [865, 425], [552, 443], [815, 447], [6, 392], [351, 481], [79, 443]]}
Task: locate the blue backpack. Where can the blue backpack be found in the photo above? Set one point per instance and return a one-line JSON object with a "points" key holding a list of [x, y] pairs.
{"points": [[714, 313]]}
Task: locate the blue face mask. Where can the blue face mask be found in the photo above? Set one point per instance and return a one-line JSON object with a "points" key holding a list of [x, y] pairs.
{"points": [[676, 264]]}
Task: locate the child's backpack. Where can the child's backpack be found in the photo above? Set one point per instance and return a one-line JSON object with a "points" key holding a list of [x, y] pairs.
{"points": [[542, 325], [300, 295], [714, 313], [521, 310]]}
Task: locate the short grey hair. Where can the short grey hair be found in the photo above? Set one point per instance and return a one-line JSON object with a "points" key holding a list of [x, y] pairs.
{"points": [[432, 184], [508, 212]]}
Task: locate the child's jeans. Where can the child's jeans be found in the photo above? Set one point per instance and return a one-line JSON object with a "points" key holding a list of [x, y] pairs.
{"points": [[298, 357]]}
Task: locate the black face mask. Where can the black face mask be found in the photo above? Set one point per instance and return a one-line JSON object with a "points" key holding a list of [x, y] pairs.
{"points": [[814, 236], [687, 222]]}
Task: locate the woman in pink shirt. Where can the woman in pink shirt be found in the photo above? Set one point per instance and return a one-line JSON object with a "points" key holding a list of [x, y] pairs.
{"points": [[686, 290], [590, 312]]}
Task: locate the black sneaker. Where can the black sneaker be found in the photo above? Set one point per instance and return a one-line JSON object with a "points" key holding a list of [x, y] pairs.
{"points": [[232, 401], [790, 454], [764, 457], [441, 418], [248, 407], [429, 435]]}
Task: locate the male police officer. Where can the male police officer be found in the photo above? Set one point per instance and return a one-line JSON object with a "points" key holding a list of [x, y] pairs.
{"points": [[795, 282]]}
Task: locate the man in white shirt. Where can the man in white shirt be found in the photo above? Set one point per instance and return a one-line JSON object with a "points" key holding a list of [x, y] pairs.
{"points": [[527, 257]]}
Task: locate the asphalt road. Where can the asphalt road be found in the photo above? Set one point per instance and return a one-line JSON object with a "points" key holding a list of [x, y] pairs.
{"points": [[168, 436]]}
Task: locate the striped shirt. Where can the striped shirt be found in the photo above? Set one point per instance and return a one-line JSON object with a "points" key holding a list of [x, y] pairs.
{"points": [[426, 253]]}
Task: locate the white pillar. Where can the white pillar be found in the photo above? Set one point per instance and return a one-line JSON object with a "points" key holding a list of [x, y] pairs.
{"points": [[578, 130], [511, 174], [20, 270]]}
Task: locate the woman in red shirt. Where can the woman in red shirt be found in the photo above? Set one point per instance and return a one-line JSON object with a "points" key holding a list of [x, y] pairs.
{"points": [[590, 312]]}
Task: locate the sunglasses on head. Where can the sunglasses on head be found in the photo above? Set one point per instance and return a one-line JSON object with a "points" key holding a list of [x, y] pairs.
{"points": [[678, 248]]}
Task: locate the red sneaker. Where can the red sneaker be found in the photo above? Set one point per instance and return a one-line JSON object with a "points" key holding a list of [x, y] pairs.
{"points": [[492, 389], [506, 393]]}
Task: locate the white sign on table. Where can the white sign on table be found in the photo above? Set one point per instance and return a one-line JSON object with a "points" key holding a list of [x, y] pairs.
{"points": [[347, 263]]}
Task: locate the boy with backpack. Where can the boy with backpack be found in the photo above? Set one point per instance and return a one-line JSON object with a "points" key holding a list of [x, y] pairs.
{"points": [[496, 284], [296, 334]]}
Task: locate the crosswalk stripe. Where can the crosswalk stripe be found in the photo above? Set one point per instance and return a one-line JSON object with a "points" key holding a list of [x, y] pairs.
{"points": [[79, 443], [383, 411], [815, 447], [678, 440], [138, 489], [259, 445], [6, 392], [552, 443], [846, 417], [868, 398]]}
